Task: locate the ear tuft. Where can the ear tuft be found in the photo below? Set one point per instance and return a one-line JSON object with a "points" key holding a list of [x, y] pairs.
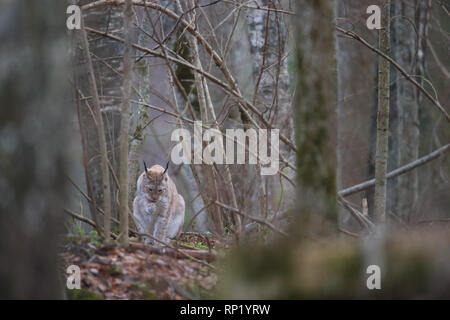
{"points": [[167, 166], [145, 167]]}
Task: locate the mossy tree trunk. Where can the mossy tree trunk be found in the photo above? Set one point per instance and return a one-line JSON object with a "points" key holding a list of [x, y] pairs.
{"points": [[315, 120], [35, 146]]}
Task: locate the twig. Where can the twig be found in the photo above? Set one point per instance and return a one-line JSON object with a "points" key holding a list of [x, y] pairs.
{"points": [[197, 234], [438, 61], [92, 204], [195, 255], [133, 232], [106, 186], [268, 9], [398, 67], [187, 255], [176, 253], [84, 219], [352, 234], [196, 214], [433, 221], [232, 89], [363, 221], [256, 219]]}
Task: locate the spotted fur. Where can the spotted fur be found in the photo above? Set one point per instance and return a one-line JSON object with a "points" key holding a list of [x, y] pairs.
{"points": [[158, 209]]}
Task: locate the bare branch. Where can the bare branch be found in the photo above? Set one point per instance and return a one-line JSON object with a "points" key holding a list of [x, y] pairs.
{"points": [[256, 219], [404, 169], [410, 78]]}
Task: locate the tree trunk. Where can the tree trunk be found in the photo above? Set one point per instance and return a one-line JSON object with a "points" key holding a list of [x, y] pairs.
{"points": [[314, 113], [208, 116], [394, 141], [411, 55], [267, 33], [370, 169], [109, 82], [106, 187], [382, 119], [128, 62], [356, 82], [35, 146]]}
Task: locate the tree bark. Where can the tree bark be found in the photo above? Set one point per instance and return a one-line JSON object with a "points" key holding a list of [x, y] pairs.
{"points": [[106, 186], [128, 62], [382, 119], [106, 56], [35, 146], [267, 34], [315, 120], [411, 55]]}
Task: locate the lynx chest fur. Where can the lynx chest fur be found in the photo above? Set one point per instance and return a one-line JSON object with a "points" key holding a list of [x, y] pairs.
{"points": [[158, 209]]}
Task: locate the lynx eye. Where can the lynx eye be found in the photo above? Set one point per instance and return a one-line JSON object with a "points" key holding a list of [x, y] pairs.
{"points": [[160, 190], [150, 189]]}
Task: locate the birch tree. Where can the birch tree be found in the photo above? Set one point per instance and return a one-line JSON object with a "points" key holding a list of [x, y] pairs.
{"points": [[140, 118], [268, 34]]}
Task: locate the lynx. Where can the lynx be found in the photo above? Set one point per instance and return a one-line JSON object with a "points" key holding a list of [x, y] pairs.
{"points": [[158, 209]]}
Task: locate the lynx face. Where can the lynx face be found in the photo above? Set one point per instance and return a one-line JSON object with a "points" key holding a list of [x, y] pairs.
{"points": [[155, 183]]}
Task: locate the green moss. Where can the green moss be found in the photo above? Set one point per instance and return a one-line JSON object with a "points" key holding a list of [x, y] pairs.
{"points": [[407, 272], [196, 291], [149, 295], [114, 271], [82, 294], [185, 74], [196, 244], [144, 289], [344, 268], [315, 150], [95, 238]]}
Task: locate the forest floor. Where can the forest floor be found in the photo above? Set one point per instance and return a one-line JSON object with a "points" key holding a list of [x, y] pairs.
{"points": [[415, 263], [141, 271]]}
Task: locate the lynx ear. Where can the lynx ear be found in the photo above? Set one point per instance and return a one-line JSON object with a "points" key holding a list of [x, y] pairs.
{"points": [[145, 167], [167, 166]]}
